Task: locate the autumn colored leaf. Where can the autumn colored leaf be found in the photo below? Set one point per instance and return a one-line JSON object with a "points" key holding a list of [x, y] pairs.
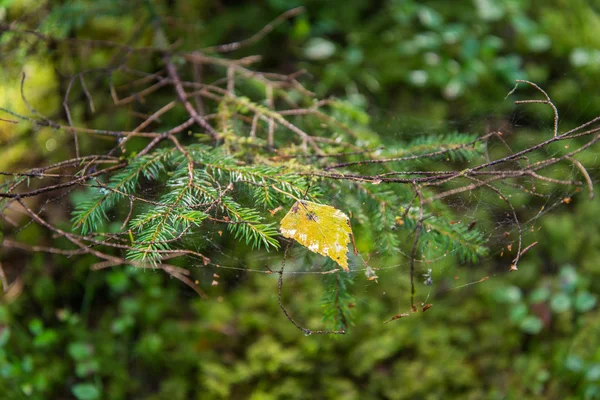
{"points": [[320, 228]]}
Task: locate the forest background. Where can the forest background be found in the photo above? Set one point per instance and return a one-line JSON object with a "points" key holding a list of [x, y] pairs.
{"points": [[414, 68]]}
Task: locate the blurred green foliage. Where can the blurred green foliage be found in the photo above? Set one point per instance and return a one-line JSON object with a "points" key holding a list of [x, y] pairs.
{"points": [[123, 334]]}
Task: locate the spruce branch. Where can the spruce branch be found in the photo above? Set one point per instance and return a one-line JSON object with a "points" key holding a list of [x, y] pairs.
{"points": [[269, 141]]}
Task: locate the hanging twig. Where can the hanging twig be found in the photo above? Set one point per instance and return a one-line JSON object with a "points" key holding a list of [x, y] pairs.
{"points": [[306, 331]]}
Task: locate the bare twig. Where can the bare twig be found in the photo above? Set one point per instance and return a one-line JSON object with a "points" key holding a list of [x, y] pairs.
{"points": [[585, 174], [306, 331], [225, 48], [3, 279], [181, 95]]}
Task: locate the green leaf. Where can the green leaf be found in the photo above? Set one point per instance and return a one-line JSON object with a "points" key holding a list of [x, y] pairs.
{"points": [[560, 303], [574, 363], [540, 295], [593, 374], [80, 351], [532, 325], [46, 339], [36, 327], [585, 301], [85, 391], [511, 294], [518, 313], [4, 336]]}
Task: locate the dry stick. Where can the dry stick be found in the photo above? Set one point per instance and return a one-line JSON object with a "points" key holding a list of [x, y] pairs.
{"points": [[28, 119], [535, 166], [253, 126], [407, 210], [580, 127], [415, 157], [305, 137], [552, 161], [231, 80], [585, 175], [314, 110], [147, 122], [174, 271], [276, 116], [145, 77], [165, 135], [72, 238], [87, 94], [181, 95], [103, 132], [78, 240], [526, 249], [273, 115], [54, 125], [306, 331], [129, 214], [154, 117], [68, 113], [275, 80], [36, 175], [89, 43], [436, 178], [46, 189], [30, 248], [138, 95], [30, 107], [461, 189], [185, 280], [531, 149], [199, 58], [3, 279], [97, 159], [547, 101], [224, 48], [374, 179], [413, 254], [198, 69], [513, 156], [271, 123]]}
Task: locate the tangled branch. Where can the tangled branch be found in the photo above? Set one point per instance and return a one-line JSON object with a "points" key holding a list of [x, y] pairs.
{"points": [[269, 135]]}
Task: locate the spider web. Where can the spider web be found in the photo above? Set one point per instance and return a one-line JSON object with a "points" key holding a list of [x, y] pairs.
{"points": [[442, 271], [436, 271]]}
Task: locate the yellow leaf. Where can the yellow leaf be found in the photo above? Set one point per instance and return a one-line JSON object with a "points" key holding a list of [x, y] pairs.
{"points": [[320, 228]]}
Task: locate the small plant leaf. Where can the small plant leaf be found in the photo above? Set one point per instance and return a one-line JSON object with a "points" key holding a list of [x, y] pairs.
{"points": [[85, 391], [320, 228]]}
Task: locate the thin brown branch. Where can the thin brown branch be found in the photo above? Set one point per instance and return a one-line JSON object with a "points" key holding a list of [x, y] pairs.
{"points": [[413, 253], [3, 279], [547, 101], [58, 186], [585, 174], [182, 96], [225, 48]]}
